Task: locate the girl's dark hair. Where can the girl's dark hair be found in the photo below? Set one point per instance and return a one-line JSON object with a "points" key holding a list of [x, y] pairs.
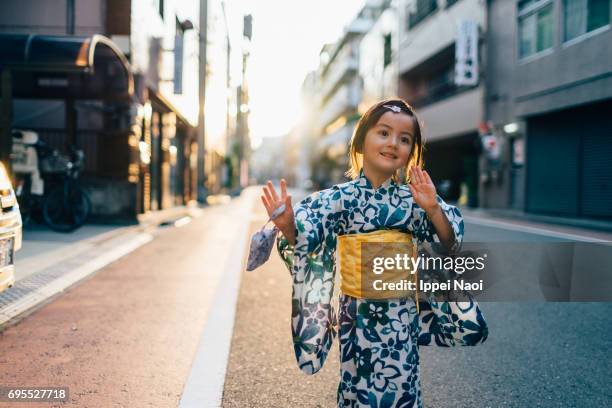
{"points": [[369, 120]]}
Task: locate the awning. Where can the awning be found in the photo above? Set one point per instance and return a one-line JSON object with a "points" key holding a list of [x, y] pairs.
{"points": [[159, 100], [79, 67]]}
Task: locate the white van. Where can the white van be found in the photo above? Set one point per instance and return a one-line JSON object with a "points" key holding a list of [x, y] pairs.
{"points": [[10, 230]]}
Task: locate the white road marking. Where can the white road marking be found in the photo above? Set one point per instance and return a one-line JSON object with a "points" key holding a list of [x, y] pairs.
{"points": [[531, 230], [204, 386]]}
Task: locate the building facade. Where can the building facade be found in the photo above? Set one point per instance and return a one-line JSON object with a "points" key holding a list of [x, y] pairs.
{"points": [[339, 96], [430, 34], [300, 140], [378, 60], [548, 98], [140, 150]]}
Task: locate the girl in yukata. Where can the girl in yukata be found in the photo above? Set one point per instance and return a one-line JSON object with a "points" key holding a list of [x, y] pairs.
{"points": [[390, 198]]}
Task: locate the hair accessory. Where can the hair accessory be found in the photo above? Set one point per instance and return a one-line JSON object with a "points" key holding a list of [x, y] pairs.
{"points": [[394, 108]]}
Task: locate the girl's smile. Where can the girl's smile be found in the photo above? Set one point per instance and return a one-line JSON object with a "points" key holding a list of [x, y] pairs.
{"points": [[391, 156]]}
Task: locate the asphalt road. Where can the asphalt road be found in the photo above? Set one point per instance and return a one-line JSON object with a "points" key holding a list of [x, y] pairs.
{"points": [[127, 337], [539, 354]]}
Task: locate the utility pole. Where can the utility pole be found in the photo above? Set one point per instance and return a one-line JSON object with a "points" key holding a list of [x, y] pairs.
{"points": [[244, 106], [202, 38], [70, 16]]}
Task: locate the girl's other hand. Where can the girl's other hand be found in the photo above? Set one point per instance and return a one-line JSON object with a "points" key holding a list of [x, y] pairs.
{"points": [[423, 189], [285, 221]]}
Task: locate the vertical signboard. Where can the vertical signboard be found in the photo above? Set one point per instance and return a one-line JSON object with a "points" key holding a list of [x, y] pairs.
{"points": [[466, 53]]}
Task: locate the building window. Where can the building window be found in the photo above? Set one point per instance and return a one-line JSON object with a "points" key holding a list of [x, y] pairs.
{"points": [[583, 16], [387, 50], [433, 80], [420, 9], [535, 26]]}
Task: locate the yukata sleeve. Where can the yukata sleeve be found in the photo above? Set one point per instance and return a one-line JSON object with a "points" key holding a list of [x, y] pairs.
{"points": [[450, 323], [447, 323], [312, 267], [425, 231]]}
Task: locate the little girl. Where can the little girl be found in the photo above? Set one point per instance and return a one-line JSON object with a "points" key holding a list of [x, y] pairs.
{"points": [[379, 339]]}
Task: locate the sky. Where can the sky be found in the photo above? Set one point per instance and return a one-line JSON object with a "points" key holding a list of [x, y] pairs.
{"points": [[287, 38]]}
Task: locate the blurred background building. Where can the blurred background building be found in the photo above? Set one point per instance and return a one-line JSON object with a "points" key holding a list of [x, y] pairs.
{"points": [[123, 80], [140, 147], [301, 139], [218, 115], [338, 96], [270, 160], [432, 35], [549, 98], [514, 97]]}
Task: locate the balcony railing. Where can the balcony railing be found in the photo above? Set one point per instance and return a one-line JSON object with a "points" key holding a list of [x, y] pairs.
{"points": [[345, 99], [344, 65], [438, 91]]}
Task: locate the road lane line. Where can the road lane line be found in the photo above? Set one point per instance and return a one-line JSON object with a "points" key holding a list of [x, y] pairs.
{"points": [[532, 230], [204, 386]]}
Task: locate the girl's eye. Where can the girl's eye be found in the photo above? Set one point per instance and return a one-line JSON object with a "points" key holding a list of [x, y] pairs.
{"points": [[406, 140], [384, 133]]}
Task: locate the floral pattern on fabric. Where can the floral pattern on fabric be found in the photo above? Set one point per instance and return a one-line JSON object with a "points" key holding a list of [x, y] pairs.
{"points": [[379, 340]]}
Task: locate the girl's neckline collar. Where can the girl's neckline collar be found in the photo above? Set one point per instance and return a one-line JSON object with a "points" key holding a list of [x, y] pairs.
{"points": [[365, 183]]}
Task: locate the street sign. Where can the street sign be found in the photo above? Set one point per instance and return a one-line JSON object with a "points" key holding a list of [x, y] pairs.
{"points": [[466, 53]]}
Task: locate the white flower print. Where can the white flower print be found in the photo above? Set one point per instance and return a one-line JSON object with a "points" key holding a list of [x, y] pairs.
{"points": [[321, 292], [401, 325]]}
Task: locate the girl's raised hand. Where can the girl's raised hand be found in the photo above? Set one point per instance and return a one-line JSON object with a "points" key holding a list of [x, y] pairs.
{"points": [[270, 199], [423, 189]]}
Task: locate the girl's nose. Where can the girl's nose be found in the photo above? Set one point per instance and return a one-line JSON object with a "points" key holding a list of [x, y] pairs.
{"points": [[393, 140]]}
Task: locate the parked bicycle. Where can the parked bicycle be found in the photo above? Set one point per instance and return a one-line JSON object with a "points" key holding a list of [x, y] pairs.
{"points": [[48, 188]]}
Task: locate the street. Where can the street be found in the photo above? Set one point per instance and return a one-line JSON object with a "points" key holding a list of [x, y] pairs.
{"points": [[136, 136], [129, 335]]}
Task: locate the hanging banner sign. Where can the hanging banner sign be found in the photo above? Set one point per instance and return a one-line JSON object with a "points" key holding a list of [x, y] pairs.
{"points": [[466, 53]]}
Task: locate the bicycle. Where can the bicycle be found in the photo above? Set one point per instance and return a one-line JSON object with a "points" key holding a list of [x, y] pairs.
{"points": [[67, 206]]}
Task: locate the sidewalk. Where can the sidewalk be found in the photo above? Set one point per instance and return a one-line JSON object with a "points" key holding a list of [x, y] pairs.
{"points": [[127, 336], [578, 223], [49, 263], [572, 229]]}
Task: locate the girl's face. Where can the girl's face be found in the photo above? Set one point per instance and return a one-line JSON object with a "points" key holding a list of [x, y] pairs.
{"points": [[388, 144]]}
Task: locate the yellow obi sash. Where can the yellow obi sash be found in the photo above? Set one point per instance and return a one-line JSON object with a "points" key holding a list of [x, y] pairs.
{"points": [[356, 255]]}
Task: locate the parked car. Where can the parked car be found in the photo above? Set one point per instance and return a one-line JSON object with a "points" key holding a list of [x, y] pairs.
{"points": [[10, 230]]}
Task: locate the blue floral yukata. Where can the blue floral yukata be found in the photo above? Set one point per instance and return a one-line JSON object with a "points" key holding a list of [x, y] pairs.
{"points": [[379, 340]]}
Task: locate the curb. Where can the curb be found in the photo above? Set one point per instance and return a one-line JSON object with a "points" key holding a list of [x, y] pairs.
{"points": [[35, 291], [541, 219]]}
